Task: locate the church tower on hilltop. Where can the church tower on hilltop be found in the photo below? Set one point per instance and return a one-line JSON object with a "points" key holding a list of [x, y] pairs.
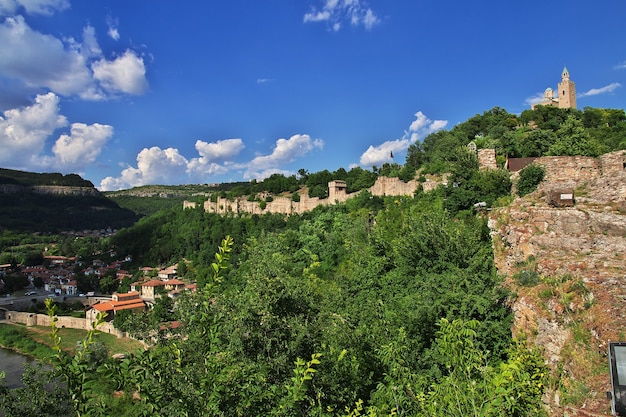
{"points": [[567, 91]]}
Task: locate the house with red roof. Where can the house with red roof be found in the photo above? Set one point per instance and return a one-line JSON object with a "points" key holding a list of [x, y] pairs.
{"points": [[125, 301]]}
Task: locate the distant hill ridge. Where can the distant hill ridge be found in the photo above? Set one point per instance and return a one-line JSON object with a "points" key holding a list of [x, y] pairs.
{"points": [[55, 202], [10, 176], [12, 181]]}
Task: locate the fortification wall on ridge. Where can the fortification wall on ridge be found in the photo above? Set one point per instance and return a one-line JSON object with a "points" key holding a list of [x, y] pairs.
{"points": [[384, 186], [565, 170]]}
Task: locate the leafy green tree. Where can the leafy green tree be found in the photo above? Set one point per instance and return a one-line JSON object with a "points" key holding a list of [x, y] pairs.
{"points": [[359, 179], [529, 178], [108, 284], [42, 395], [573, 139], [536, 143]]}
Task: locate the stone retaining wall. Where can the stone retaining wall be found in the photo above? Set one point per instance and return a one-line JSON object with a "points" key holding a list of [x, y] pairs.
{"points": [[32, 319]]}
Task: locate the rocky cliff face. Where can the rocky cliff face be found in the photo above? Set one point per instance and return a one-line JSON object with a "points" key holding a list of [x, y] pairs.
{"points": [[48, 189], [565, 267]]}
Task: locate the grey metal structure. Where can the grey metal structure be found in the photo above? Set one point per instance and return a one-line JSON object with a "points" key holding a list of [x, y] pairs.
{"points": [[617, 366]]}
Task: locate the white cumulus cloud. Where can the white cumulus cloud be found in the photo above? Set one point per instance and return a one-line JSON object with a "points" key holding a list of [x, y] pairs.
{"points": [[126, 74], [285, 152], [213, 153], [335, 12], [35, 61], [39, 60], [82, 146], [154, 166], [421, 127], [24, 131], [602, 90], [378, 155]]}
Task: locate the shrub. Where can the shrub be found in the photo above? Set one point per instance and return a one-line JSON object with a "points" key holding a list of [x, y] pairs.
{"points": [[529, 179], [528, 278]]}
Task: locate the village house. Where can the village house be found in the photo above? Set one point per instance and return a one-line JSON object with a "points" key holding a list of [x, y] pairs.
{"points": [[125, 301], [168, 273], [150, 289]]}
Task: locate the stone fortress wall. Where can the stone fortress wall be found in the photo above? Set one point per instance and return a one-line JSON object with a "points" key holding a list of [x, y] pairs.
{"points": [[575, 170], [562, 170], [384, 186], [32, 319]]}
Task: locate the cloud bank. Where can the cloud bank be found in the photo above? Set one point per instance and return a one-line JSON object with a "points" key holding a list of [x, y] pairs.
{"points": [[168, 166], [25, 131], [36, 61], [421, 127]]}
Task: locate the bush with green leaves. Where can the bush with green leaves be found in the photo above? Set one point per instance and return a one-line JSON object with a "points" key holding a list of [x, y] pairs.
{"points": [[529, 178]]}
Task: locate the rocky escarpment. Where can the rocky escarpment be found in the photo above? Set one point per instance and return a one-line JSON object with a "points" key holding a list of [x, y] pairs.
{"points": [[565, 267], [48, 189]]}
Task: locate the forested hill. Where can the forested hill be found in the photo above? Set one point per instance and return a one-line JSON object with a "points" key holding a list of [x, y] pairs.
{"points": [[9, 176], [53, 203]]}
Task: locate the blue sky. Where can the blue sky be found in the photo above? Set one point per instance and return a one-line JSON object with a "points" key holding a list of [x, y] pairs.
{"points": [[128, 93]]}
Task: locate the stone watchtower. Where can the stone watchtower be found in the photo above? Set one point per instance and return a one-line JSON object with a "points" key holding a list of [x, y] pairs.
{"points": [[567, 91], [337, 191]]}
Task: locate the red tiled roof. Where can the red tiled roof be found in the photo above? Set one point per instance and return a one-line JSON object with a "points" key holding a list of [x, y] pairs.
{"points": [[153, 283], [125, 296], [174, 282], [119, 305]]}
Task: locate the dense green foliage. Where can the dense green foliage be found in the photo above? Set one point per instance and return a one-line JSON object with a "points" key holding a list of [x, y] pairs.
{"points": [[147, 206], [15, 337], [348, 311], [542, 131], [529, 178], [27, 249], [54, 213]]}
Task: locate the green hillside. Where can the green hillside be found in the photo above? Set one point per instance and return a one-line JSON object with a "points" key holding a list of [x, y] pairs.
{"points": [[23, 210]]}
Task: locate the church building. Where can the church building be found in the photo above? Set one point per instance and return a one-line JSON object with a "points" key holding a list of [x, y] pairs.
{"points": [[566, 94]]}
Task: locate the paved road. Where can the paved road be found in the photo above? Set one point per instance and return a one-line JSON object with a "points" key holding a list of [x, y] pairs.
{"points": [[9, 302]]}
